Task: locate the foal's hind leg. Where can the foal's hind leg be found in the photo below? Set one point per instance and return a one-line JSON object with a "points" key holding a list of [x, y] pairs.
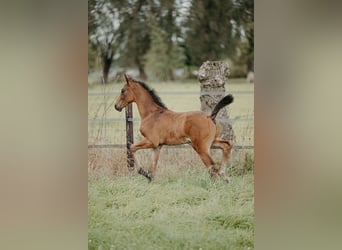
{"points": [[155, 158], [226, 147], [203, 152]]}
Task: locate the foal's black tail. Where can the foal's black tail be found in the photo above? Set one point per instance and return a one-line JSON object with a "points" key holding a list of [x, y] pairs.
{"points": [[224, 102]]}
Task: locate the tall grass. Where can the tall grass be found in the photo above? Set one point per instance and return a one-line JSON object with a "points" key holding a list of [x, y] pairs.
{"points": [[178, 210]]}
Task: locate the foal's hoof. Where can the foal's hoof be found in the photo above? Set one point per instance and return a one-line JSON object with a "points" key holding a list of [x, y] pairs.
{"points": [[148, 175], [141, 171]]}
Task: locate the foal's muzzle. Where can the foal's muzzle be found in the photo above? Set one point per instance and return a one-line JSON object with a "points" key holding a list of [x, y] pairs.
{"points": [[118, 108]]}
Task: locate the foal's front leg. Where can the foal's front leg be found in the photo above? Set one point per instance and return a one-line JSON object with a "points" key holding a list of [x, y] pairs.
{"points": [[144, 143]]}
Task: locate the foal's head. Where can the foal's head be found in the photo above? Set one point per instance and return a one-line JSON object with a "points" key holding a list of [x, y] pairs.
{"points": [[126, 96], [129, 93]]}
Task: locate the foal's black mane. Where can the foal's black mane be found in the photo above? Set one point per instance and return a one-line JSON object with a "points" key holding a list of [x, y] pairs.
{"points": [[152, 92]]}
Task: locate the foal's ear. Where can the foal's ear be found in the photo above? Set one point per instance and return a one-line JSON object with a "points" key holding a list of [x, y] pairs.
{"points": [[126, 78]]}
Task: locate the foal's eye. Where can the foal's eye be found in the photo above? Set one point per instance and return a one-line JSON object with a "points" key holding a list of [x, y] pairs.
{"points": [[122, 91]]}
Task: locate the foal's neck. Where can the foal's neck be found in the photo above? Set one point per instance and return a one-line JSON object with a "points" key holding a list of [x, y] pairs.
{"points": [[145, 102]]}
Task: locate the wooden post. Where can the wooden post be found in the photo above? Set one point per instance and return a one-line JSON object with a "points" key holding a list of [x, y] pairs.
{"points": [[129, 136], [213, 75]]}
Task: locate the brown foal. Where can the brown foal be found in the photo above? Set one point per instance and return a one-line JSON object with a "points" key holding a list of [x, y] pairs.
{"points": [[161, 126]]}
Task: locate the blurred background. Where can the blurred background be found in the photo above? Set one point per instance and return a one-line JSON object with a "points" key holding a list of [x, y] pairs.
{"points": [[168, 39]]}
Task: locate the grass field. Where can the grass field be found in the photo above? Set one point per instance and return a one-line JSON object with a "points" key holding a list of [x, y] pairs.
{"points": [[177, 211], [182, 208]]}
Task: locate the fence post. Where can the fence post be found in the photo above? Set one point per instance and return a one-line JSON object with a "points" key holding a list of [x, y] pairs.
{"points": [[212, 76], [129, 136]]}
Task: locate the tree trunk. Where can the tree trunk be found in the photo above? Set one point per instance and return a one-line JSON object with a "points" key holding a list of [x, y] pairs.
{"points": [[106, 63], [171, 75], [142, 73], [141, 68], [212, 76]]}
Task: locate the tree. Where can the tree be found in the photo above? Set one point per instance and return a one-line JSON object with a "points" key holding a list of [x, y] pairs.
{"points": [[104, 34], [91, 28], [160, 35], [91, 17], [107, 54], [210, 34], [136, 35], [243, 15], [163, 56], [139, 32]]}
